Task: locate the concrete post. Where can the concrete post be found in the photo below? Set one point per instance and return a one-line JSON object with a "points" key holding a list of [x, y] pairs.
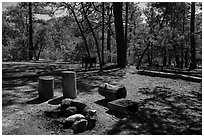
{"points": [[46, 87], [69, 84]]}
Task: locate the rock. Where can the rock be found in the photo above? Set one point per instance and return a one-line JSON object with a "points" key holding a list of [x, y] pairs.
{"points": [[70, 111], [71, 119], [91, 122], [80, 126], [91, 117], [88, 111], [72, 102], [75, 117], [68, 123], [65, 104], [66, 101], [53, 113], [79, 105]]}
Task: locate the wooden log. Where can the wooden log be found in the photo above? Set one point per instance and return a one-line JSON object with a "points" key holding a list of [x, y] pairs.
{"points": [[46, 87], [80, 125], [169, 75], [69, 84], [112, 92]]}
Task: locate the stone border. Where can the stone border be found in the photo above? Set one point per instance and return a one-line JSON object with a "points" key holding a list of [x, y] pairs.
{"points": [[169, 75]]}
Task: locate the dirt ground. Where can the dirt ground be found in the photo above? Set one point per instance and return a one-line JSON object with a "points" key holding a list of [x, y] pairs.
{"points": [[175, 107]]}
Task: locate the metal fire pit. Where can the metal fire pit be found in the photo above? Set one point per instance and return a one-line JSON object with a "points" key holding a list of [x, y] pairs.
{"points": [[123, 106]]}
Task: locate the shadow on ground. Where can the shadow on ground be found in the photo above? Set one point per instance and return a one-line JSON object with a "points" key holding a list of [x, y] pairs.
{"points": [[17, 96], [56, 101], [25, 90], [163, 113], [36, 101], [104, 103], [90, 81]]}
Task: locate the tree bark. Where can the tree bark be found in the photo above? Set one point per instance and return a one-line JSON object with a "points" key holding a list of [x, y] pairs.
{"points": [[192, 39], [164, 56], [143, 53], [126, 23], [31, 47], [186, 57], [109, 30], [86, 44], [102, 53], [149, 58], [169, 57], [120, 41], [176, 51], [183, 41], [40, 50], [30, 32], [96, 41]]}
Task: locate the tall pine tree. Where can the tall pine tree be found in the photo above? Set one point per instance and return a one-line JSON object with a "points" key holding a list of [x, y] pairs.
{"points": [[120, 40]]}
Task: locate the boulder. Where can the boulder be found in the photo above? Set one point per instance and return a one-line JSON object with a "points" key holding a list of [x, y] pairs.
{"points": [[71, 119], [70, 111], [67, 124], [79, 105], [53, 113], [88, 111], [65, 104], [91, 122], [80, 126], [91, 117]]}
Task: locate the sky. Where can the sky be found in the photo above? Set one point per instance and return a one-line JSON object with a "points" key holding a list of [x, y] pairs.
{"points": [[8, 4]]}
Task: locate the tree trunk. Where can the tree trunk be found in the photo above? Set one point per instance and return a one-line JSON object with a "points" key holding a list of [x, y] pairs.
{"points": [[86, 44], [30, 32], [186, 57], [183, 41], [164, 57], [182, 60], [102, 53], [126, 24], [169, 58], [96, 41], [192, 26], [176, 52], [121, 46], [143, 53], [126, 27], [40, 50], [108, 38], [31, 48], [109, 30], [149, 56]]}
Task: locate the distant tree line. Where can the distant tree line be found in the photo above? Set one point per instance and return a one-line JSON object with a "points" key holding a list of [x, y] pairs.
{"points": [[163, 34]]}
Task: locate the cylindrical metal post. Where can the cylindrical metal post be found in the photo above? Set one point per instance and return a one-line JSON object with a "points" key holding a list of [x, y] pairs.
{"points": [[69, 84]]}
